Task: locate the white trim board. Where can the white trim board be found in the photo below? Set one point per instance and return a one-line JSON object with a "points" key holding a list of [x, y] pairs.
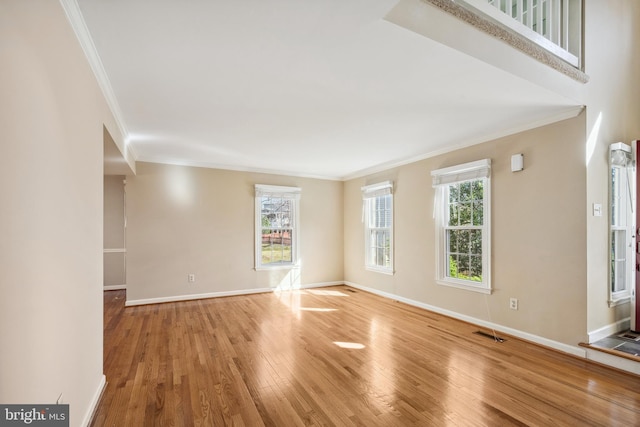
{"points": [[613, 361], [74, 15], [190, 297], [565, 348], [608, 330], [566, 114], [114, 287], [115, 251], [93, 405], [238, 168]]}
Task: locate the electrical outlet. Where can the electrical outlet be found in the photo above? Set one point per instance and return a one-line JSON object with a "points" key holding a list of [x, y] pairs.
{"points": [[513, 303], [192, 278]]}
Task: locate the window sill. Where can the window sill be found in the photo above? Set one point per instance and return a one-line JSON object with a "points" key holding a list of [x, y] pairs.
{"points": [[620, 301], [277, 267], [462, 285], [387, 271]]}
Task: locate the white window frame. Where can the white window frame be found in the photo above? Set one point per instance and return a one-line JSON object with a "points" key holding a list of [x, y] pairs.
{"points": [[276, 191], [621, 221], [370, 194], [442, 180]]}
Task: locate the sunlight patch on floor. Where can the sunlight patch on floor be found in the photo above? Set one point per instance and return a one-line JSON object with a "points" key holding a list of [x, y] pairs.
{"points": [[349, 345], [327, 293]]}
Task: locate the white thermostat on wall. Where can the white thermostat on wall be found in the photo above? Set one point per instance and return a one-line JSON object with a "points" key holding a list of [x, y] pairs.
{"points": [[517, 162], [597, 209]]}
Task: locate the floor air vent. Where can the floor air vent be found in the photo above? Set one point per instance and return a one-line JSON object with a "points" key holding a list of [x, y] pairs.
{"points": [[630, 336], [491, 336], [350, 290]]}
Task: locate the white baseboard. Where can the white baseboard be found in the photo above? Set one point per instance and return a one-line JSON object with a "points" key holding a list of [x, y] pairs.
{"points": [[565, 348], [614, 361], [225, 294], [189, 297], [93, 405], [115, 287], [608, 330], [318, 285]]}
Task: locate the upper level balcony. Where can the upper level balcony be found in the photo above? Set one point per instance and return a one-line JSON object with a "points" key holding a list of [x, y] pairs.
{"points": [[539, 41], [555, 25]]}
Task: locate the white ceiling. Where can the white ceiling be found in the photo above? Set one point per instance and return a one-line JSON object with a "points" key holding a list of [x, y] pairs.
{"points": [[315, 88]]}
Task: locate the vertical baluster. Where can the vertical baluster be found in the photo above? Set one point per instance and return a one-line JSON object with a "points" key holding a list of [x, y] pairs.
{"points": [[578, 33], [551, 20], [539, 8], [546, 15], [556, 19], [519, 11], [564, 43]]}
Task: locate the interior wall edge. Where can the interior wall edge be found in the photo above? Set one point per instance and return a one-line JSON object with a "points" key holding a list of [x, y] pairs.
{"points": [[93, 406]]}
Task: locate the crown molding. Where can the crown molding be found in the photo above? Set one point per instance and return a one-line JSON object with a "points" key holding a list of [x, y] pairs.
{"points": [[565, 114], [236, 168], [74, 15]]}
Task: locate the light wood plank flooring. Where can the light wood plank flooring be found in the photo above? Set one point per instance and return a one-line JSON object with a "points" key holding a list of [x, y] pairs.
{"points": [[339, 357]]}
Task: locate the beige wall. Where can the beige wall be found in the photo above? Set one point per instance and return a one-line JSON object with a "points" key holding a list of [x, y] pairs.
{"points": [[183, 220], [538, 234], [613, 115], [612, 100], [52, 114], [114, 232]]}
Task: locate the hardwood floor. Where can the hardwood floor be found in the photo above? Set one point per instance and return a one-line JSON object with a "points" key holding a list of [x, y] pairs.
{"points": [[339, 357]]}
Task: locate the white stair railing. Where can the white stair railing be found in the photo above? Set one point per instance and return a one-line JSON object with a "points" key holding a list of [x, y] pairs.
{"points": [[555, 25]]}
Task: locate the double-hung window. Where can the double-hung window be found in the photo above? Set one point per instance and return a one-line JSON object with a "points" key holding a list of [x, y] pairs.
{"points": [[277, 226], [622, 225], [378, 226], [463, 219]]}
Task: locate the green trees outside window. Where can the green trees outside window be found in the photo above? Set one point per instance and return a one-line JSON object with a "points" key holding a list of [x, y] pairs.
{"points": [[464, 230]]}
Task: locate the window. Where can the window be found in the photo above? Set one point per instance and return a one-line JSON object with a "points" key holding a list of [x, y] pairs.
{"points": [[277, 226], [621, 223], [378, 227], [463, 219]]}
